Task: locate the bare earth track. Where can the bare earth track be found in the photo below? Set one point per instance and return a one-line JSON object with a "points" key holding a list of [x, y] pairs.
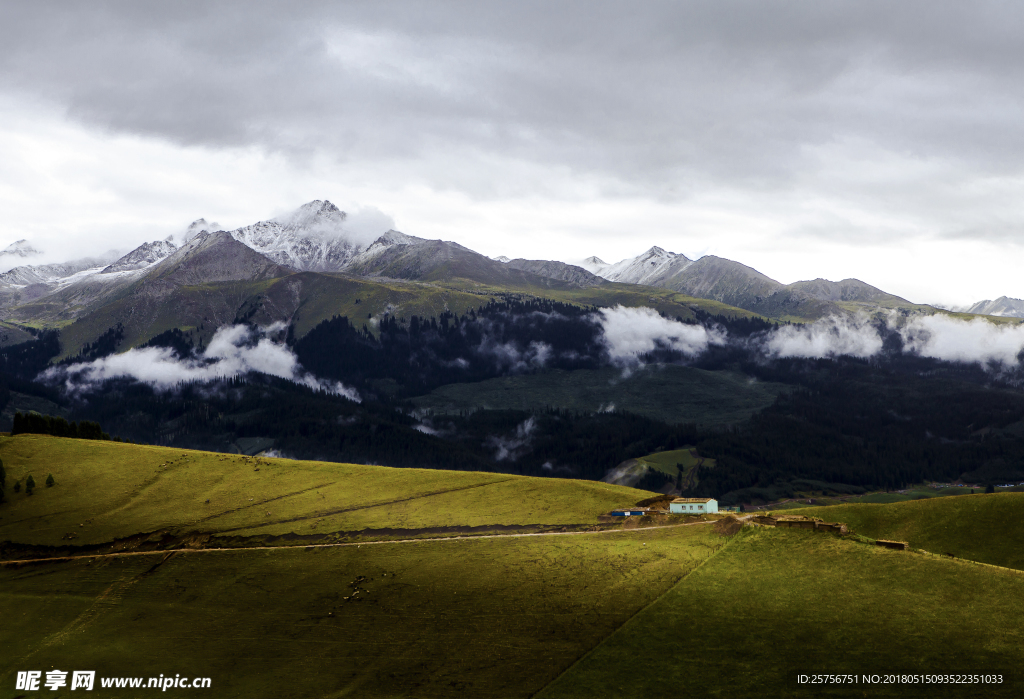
{"points": [[295, 547]]}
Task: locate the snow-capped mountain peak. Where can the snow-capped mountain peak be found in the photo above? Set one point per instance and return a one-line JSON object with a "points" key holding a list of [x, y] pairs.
{"points": [[314, 215], [197, 227], [20, 248], [502, 259], [648, 268], [143, 256], [384, 243], [313, 237], [1003, 306]]}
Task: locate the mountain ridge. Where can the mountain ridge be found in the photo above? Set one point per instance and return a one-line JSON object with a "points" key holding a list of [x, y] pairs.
{"points": [[317, 238]]}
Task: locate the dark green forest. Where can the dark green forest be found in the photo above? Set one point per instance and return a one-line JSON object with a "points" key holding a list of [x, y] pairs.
{"points": [[847, 424]]}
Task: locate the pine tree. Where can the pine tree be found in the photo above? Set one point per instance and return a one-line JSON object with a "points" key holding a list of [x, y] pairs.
{"points": [[50, 481], [30, 483]]}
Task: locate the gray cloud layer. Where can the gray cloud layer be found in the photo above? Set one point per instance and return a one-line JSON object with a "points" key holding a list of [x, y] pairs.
{"points": [[662, 96]]}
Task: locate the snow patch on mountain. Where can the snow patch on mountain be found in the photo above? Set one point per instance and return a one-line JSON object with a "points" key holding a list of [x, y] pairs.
{"points": [[1003, 306], [318, 236], [60, 274], [651, 267], [144, 256], [382, 245], [19, 248], [502, 259]]}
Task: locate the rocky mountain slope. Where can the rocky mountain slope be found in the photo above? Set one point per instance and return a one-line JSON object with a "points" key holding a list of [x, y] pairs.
{"points": [[736, 284], [313, 238], [143, 256], [556, 270], [652, 268], [1002, 306], [317, 239], [19, 249]]}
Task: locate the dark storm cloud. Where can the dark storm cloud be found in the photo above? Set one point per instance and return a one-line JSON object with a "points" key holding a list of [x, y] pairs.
{"points": [[662, 97]]}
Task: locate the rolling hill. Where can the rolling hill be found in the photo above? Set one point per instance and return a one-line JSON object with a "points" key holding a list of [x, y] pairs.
{"points": [[338, 580], [979, 527]]}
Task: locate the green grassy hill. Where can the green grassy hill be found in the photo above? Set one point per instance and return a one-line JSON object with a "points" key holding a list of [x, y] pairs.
{"points": [[474, 618], [675, 461], [777, 603], [366, 612], [671, 463], [109, 490], [986, 528], [673, 394]]}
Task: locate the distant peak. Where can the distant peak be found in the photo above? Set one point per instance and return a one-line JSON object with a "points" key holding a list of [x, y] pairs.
{"points": [[502, 259], [200, 225], [594, 260], [393, 237], [316, 214], [661, 252], [20, 248], [321, 207]]}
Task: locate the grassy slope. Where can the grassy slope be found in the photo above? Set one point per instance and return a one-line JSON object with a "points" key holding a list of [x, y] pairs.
{"points": [[775, 603], [669, 393], [668, 462], [307, 298], [985, 528], [117, 490], [665, 301], [475, 618]]}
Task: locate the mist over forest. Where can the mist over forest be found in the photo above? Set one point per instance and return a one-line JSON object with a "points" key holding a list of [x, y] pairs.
{"points": [[863, 404]]}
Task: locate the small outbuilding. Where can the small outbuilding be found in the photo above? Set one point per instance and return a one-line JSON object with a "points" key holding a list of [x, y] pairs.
{"points": [[630, 512], [693, 506]]}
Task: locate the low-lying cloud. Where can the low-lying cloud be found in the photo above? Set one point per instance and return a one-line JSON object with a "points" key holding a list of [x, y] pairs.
{"points": [[508, 355], [955, 340], [513, 446], [829, 337], [935, 336], [630, 332], [233, 351]]}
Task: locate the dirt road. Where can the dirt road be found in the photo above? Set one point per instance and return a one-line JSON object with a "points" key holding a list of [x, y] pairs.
{"points": [[164, 552]]}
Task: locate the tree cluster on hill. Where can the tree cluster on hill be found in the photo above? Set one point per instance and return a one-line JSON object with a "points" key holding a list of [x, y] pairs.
{"points": [[25, 360], [499, 338], [179, 342], [882, 423], [34, 423], [305, 423], [105, 345]]}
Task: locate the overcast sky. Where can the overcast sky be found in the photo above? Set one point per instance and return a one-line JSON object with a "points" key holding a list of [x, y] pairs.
{"points": [[876, 140]]}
